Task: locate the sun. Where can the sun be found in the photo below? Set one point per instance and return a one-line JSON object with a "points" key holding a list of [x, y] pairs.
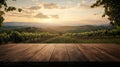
{"points": [[49, 20]]}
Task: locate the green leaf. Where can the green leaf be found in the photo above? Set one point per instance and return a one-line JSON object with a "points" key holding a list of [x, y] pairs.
{"points": [[2, 13], [1, 20], [0, 5], [19, 10]]}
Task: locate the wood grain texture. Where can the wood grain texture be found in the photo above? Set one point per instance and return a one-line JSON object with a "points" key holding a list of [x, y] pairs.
{"points": [[74, 53], [95, 54], [14, 53], [112, 49], [44, 54], [59, 52]]}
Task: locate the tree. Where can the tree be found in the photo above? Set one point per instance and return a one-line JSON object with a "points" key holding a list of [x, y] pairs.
{"points": [[5, 8], [112, 10], [16, 37]]}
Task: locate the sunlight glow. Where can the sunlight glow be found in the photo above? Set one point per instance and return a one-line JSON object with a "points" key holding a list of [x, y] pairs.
{"points": [[49, 20], [57, 12]]}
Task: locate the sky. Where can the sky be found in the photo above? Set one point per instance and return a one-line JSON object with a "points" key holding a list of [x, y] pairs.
{"points": [[56, 12]]}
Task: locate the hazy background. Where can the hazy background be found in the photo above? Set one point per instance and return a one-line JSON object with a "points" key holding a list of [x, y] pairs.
{"points": [[56, 13]]}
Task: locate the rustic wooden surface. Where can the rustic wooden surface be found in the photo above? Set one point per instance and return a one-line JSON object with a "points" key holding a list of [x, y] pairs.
{"points": [[59, 52]]}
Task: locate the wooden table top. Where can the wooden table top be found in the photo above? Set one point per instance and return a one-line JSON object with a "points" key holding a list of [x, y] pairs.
{"points": [[32, 52]]}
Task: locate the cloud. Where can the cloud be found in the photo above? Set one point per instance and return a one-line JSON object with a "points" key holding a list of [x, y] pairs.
{"points": [[35, 7], [34, 0], [41, 15], [27, 11], [29, 15], [85, 6], [53, 6], [50, 5], [17, 14], [46, 5], [55, 16]]}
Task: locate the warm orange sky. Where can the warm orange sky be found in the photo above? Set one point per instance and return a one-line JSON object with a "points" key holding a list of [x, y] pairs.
{"points": [[57, 12]]}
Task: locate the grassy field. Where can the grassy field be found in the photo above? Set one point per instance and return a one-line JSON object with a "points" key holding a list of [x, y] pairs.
{"points": [[36, 35], [63, 39]]}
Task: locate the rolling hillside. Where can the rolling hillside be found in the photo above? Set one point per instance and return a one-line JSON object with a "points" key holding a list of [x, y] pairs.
{"points": [[55, 29]]}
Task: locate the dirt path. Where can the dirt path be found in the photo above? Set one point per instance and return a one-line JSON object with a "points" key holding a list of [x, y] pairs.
{"points": [[59, 52]]}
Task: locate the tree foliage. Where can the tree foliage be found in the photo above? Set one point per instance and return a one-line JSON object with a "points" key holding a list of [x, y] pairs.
{"points": [[5, 8], [112, 10], [111, 35]]}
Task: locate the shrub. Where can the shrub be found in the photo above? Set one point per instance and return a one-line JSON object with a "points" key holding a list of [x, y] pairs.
{"points": [[16, 37], [4, 38]]}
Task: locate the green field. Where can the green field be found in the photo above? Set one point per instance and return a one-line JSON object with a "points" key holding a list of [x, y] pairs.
{"points": [[81, 34]]}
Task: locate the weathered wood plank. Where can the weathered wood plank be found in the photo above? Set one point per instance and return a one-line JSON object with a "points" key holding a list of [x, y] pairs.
{"points": [[30, 52], [59, 53], [74, 53], [112, 49], [44, 54], [13, 54], [94, 54], [10, 48], [5, 48], [7, 45]]}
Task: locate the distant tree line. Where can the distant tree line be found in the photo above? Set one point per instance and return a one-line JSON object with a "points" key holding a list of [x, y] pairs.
{"points": [[41, 37], [20, 37]]}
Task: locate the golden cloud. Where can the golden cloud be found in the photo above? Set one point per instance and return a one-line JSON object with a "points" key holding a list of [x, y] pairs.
{"points": [[35, 7], [46, 5], [55, 16], [41, 15]]}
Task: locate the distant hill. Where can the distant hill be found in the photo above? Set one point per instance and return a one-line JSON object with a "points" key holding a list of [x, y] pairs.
{"points": [[76, 29], [24, 24], [55, 29]]}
